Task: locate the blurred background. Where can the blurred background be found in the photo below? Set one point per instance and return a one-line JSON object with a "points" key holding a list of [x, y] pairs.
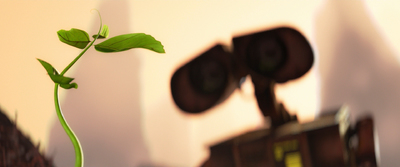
{"points": [[123, 112]]}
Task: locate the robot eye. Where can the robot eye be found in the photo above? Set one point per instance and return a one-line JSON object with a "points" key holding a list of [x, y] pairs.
{"points": [[208, 76], [203, 82], [266, 55]]}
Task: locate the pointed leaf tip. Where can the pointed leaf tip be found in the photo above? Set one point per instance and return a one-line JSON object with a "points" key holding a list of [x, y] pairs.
{"points": [[49, 68], [130, 41], [65, 82]]}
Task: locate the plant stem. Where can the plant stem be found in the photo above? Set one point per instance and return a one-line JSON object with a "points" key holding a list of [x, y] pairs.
{"points": [[79, 56], [67, 129]]}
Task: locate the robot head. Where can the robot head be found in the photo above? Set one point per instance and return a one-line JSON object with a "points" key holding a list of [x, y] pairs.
{"points": [[274, 55]]}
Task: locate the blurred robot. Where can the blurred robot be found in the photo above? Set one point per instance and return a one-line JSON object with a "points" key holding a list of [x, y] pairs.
{"points": [[272, 56]]}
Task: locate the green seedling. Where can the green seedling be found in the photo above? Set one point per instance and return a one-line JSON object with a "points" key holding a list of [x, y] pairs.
{"points": [[80, 39]]}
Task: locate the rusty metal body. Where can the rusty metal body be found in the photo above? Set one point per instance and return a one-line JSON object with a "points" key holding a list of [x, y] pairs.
{"points": [[325, 142], [275, 55]]}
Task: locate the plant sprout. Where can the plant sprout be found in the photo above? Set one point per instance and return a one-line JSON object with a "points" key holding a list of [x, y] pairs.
{"points": [[80, 39]]}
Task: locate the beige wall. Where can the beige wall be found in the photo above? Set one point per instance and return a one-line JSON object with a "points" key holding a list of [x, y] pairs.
{"points": [[132, 116]]}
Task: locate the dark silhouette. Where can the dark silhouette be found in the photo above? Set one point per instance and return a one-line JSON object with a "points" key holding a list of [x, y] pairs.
{"points": [[274, 55], [16, 149]]}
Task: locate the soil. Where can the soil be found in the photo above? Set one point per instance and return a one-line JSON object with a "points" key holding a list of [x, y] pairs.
{"points": [[16, 149]]}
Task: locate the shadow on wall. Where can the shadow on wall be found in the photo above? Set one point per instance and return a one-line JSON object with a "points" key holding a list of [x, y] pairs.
{"points": [[105, 111], [358, 69]]}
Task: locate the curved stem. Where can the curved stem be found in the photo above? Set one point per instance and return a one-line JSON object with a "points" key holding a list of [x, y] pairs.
{"points": [[68, 130]]}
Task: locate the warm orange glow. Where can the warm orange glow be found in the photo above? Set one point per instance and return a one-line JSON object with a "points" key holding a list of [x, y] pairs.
{"points": [[170, 137]]}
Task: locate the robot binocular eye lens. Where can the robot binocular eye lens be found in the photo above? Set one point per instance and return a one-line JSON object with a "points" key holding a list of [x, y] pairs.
{"points": [[208, 76], [266, 54]]}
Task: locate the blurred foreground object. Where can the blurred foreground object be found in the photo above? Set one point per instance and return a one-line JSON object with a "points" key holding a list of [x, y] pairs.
{"points": [[269, 57], [16, 149]]}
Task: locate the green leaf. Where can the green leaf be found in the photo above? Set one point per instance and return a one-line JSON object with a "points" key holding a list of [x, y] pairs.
{"points": [[60, 79], [74, 37], [69, 86], [57, 78], [129, 41], [49, 68], [104, 32]]}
